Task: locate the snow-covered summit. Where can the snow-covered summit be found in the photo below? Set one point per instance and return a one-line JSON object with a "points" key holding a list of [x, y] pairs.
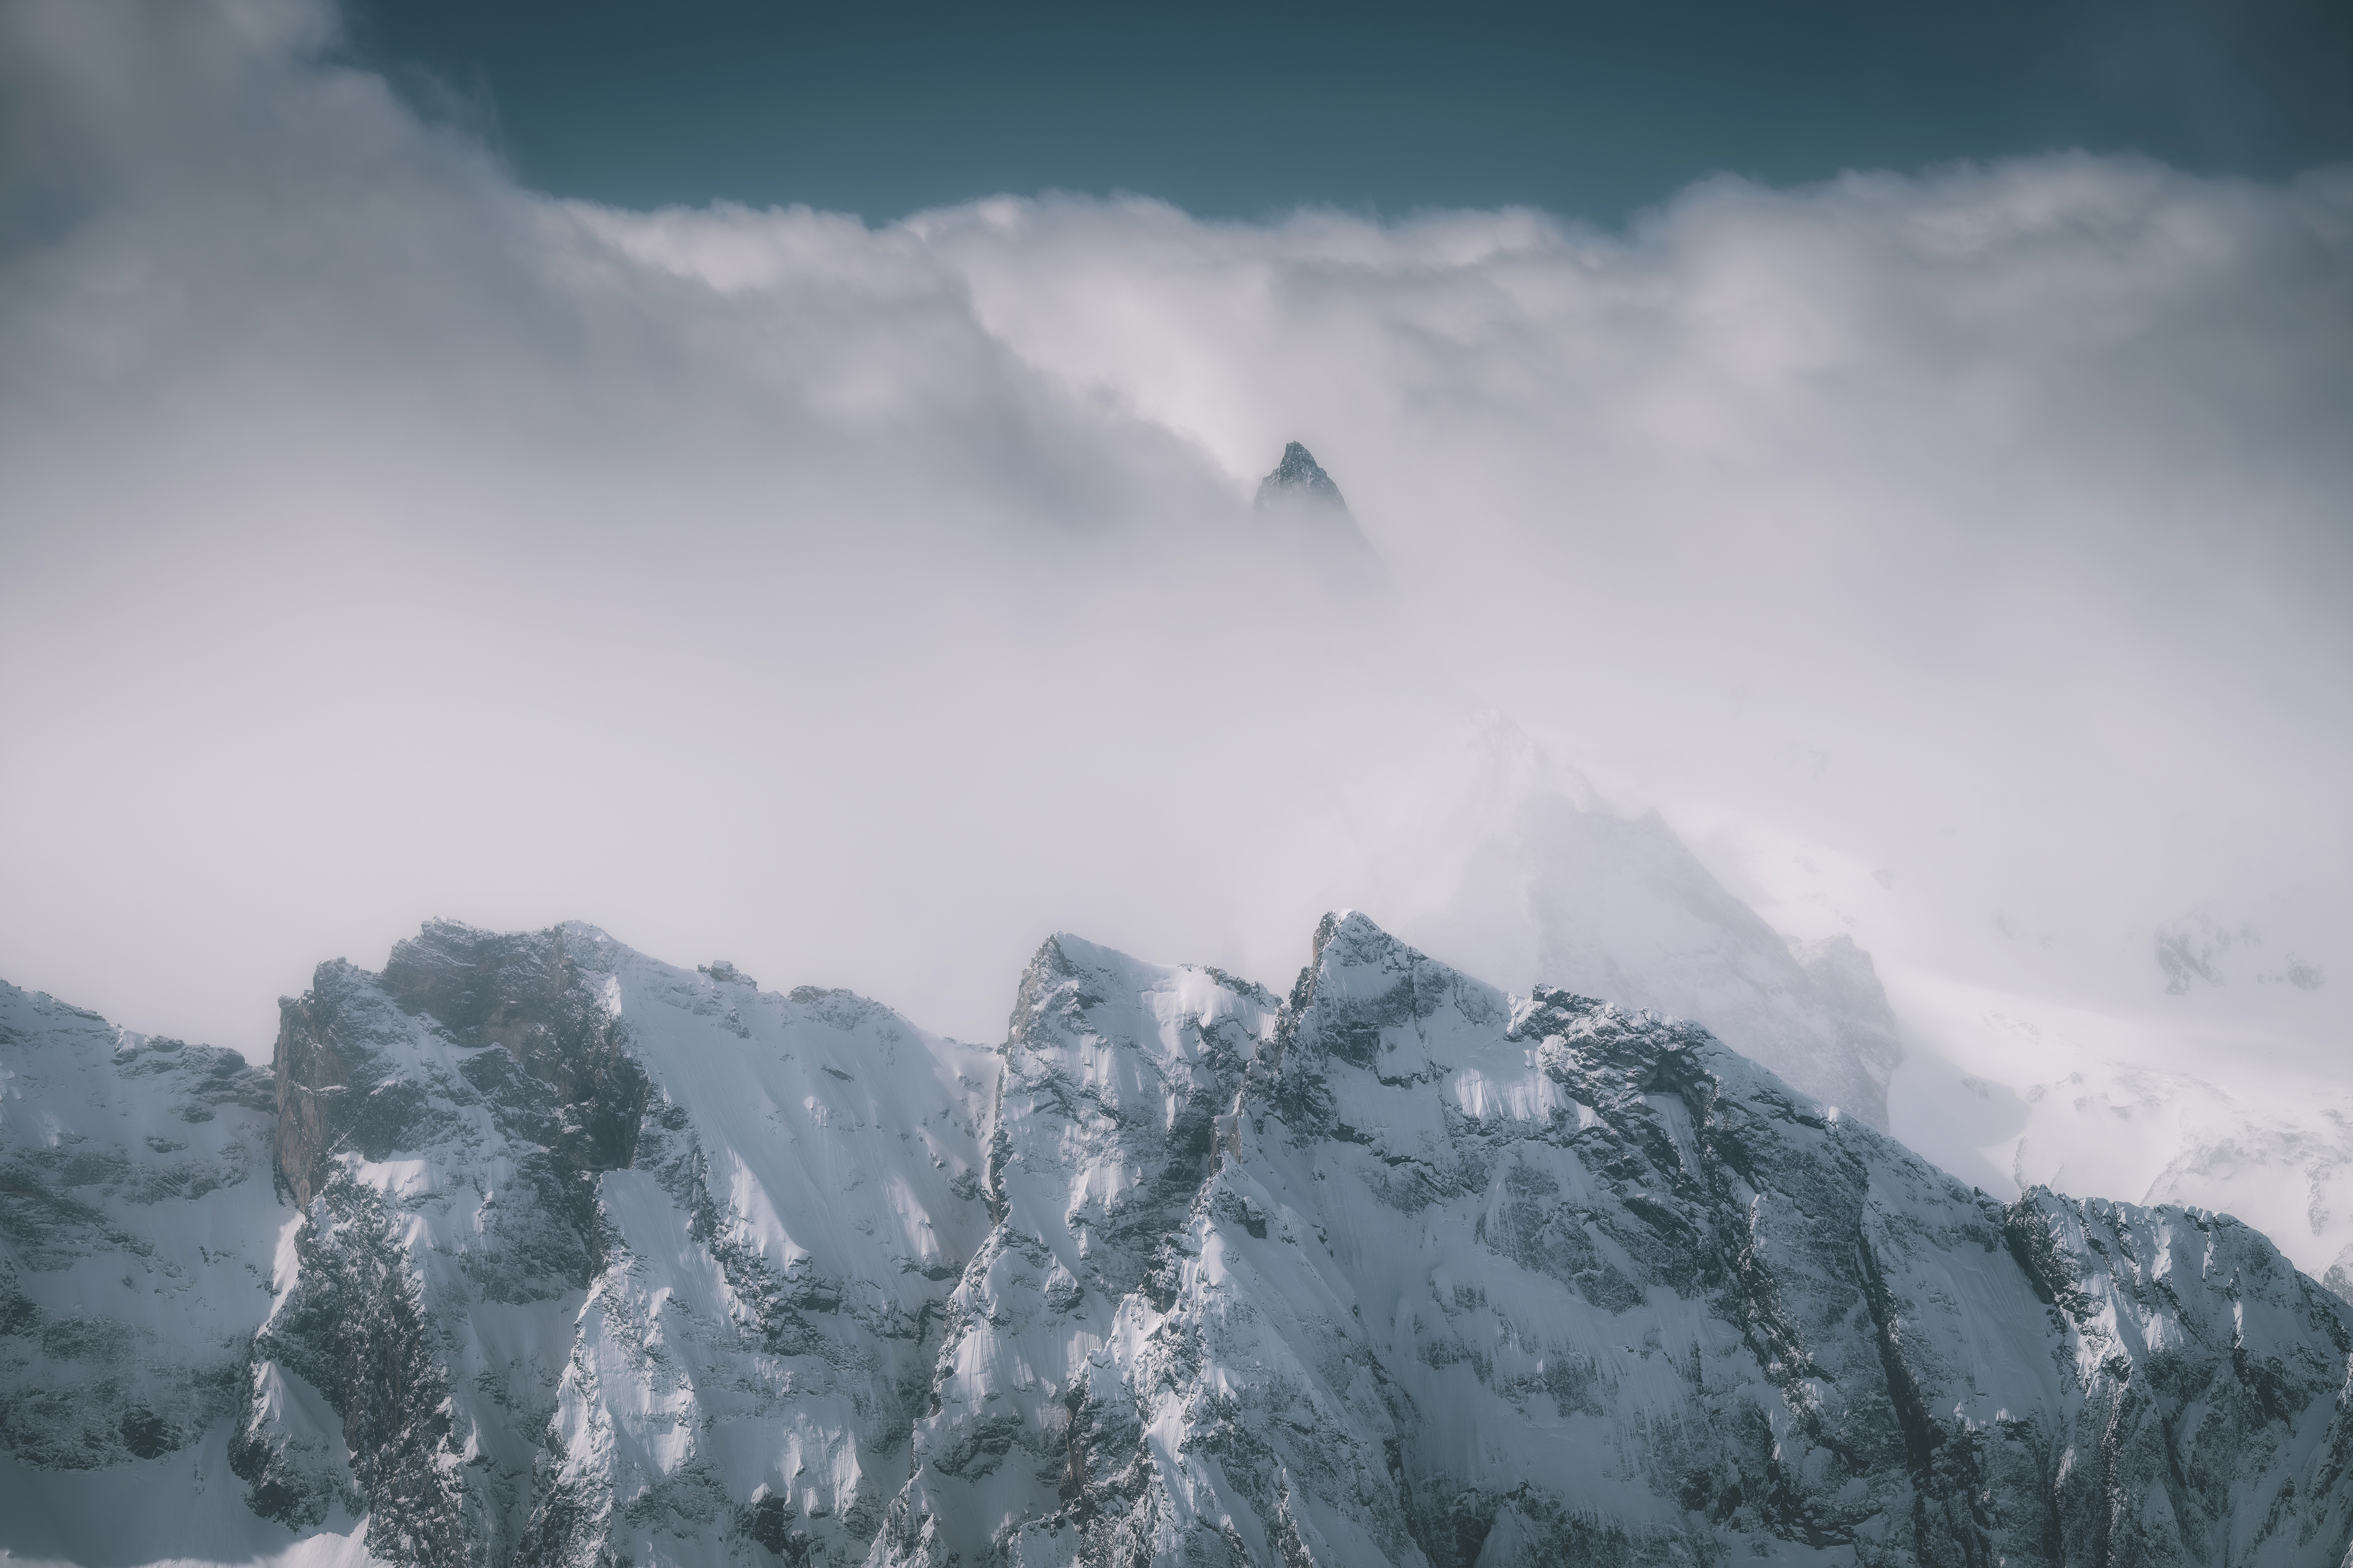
{"points": [[571, 1257]]}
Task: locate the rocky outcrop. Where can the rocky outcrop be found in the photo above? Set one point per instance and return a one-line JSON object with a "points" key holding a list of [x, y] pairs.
{"points": [[1477, 1280], [588, 1240], [542, 1054], [437, 1142], [1113, 1109], [578, 1258], [136, 1218], [1301, 516], [1621, 908], [1299, 478]]}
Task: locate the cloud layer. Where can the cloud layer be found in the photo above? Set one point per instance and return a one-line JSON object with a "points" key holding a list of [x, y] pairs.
{"points": [[1957, 559]]}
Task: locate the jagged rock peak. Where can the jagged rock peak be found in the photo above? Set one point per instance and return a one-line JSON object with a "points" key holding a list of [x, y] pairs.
{"points": [[1299, 477], [600, 1260]]}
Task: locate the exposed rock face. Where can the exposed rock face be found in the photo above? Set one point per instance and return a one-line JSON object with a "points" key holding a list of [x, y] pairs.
{"points": [[136, 1222], [441, 1128], [1489, 1282], [559, 1078], [1552, 886], [1299, 478], [1300, 515], [601, 1257], [1112, 1113], [2205, 949], [599, 1261], [1623, 910]]}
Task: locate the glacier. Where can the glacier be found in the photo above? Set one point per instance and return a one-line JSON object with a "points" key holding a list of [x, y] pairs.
{"points": [[531, 1249]]}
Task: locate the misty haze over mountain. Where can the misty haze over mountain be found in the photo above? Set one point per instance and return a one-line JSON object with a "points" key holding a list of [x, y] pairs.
{"points": [[1895, 624]]}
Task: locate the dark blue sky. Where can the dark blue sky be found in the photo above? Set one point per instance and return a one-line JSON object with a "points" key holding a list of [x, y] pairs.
{"points": [[1584, 110]]}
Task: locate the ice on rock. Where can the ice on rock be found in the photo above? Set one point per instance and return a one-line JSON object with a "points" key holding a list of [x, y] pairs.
{"points": [[572, 1257]]}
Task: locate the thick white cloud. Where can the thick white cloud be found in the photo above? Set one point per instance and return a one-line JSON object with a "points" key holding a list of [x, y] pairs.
{"points": [[1959, 560]]}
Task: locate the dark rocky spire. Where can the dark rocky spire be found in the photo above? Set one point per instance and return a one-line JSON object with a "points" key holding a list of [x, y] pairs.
{"points": [[1300, 478]]}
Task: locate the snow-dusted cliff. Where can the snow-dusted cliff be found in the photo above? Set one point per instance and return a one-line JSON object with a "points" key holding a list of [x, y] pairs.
{"points": [[532, 1250], [137, 1233], [1605, 905]]}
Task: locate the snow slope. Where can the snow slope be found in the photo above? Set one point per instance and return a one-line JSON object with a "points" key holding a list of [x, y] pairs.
{"points": [[571, 1257], [1622, 909], [2197, 1060], [2018, 1090], [139, 1222], [1491, 1280], [1494, 851], [655, 1255]]}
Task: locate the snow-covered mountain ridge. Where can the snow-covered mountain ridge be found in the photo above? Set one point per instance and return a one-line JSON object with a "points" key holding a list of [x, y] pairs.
{"points": [[560, 1255]]}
